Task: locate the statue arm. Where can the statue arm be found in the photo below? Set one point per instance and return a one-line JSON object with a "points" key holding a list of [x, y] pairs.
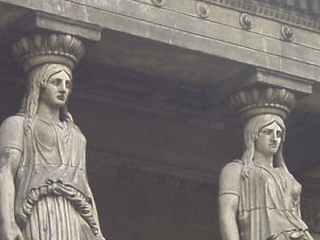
{"points": [[95, 211], [9, 162], [297, 210], [228, 207], [10, 156], [229, 201]]}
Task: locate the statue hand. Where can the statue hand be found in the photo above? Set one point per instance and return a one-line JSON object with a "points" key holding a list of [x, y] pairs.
{"points": [[11, 233]]}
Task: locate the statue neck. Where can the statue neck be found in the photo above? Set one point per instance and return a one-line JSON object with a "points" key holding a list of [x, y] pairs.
{"points": [[263, 160], [49, 112]]}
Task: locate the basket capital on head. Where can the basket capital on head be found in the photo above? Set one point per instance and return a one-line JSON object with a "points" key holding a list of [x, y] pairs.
{"points": [[52, 48], [256, 101]]}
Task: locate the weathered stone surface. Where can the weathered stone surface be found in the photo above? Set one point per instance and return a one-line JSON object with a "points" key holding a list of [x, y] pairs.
{"points": [[157, 84], [45, 192], [258, 196], [172, 25]]}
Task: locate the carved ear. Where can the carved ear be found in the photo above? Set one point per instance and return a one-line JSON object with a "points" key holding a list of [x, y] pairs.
{"points": [[254, 136], [42, 83]]}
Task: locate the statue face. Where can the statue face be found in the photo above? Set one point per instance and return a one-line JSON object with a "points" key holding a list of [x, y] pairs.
{"points": [[269, 139], [56, 91]]}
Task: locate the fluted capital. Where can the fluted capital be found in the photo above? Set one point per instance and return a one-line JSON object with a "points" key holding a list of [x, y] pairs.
{"points": [[54, 48], [257, 101]]}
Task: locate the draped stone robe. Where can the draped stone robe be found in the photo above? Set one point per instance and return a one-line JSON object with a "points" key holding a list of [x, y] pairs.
{"points": [[53, 199], [269, 203]]}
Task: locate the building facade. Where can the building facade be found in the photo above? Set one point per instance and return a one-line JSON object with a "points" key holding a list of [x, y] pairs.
{"points": [[152, 95]]}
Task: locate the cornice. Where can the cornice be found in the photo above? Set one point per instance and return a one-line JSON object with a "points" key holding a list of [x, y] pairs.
{"points": [[275, 13]]}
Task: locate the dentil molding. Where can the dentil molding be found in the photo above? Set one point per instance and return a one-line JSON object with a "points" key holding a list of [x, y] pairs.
{"points": [[298, 15]]}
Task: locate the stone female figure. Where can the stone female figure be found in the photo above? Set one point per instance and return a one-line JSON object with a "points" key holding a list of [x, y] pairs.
{"points": [[44, 192], [259, 199]]}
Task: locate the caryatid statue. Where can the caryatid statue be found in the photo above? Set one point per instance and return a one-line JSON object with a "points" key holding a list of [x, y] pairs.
{"points": [[259, 199], [44, 190]]}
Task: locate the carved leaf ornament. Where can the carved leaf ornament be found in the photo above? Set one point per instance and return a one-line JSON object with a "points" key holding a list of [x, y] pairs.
{"points": [[256, 101], [53, 48]]}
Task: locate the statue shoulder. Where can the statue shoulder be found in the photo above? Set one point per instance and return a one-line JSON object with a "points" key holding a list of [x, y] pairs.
{"points": [[232, 170], [11, 132], [76, 128], [234, 167], [230, 178], [13, 123]]}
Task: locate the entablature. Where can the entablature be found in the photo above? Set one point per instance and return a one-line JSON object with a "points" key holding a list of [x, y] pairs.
{"points": [[269, 42]]}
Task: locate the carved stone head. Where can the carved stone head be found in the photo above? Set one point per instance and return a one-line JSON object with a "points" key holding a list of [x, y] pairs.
{"points": [[251, 132], [37, 80]]}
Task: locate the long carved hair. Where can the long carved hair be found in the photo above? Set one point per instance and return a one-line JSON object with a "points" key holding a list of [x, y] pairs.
{"points": [[37, 80], [251, 132]]}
